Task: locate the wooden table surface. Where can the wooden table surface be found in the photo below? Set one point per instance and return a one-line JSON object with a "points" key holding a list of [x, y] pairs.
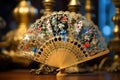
{"points": [[25, 75]]}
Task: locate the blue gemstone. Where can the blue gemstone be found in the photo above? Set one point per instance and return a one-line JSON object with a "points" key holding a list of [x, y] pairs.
{"points": [[84, 31], [63, 33], [64, 39], [30, 36], [34, 50]]}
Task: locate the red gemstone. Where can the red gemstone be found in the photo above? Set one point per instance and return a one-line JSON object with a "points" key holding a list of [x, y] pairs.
{"points": [[39, 28], [65, 18], [31, 32], [86, 45], [26, 47]]}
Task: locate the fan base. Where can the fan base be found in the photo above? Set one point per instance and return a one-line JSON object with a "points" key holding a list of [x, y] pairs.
{"points": [[61, 73]]}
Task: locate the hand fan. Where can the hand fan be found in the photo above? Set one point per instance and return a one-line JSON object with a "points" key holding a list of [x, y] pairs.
{"points": [[63, 39]]}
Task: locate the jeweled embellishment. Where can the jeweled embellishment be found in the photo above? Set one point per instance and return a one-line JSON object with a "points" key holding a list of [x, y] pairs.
{"points": [[55, 31], [39, 28]]}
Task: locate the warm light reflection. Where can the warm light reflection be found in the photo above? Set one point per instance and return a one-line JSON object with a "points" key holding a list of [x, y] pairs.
{"points": [[48, 0], [74, 2], [116, 29], [26, 37], [23, 10]]}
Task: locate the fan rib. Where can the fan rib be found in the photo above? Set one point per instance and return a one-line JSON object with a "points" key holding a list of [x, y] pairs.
{"points": [[87, 58]]}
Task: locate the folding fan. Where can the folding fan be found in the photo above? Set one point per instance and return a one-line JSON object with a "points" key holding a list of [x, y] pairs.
{"points": [[63, 39]]}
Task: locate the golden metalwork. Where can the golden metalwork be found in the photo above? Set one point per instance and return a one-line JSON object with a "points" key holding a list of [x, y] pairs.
{"points": [[48, 5], [88, 8], [23, 14], [115, 43], [74, 5], [116, 19]]}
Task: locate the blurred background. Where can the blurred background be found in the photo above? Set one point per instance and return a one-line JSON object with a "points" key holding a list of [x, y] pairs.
{"points": [[17, 15]]}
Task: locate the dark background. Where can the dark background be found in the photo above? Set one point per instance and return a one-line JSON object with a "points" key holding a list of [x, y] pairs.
{"points": [[7, 6]]}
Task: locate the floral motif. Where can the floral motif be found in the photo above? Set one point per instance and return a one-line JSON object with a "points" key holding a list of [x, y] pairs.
{"points": [[63, 24]]}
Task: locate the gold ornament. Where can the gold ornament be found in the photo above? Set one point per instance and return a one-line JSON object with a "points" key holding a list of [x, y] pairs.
{"points": [[88, 8], [48, 5], [23, 14], [74, 5]]}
